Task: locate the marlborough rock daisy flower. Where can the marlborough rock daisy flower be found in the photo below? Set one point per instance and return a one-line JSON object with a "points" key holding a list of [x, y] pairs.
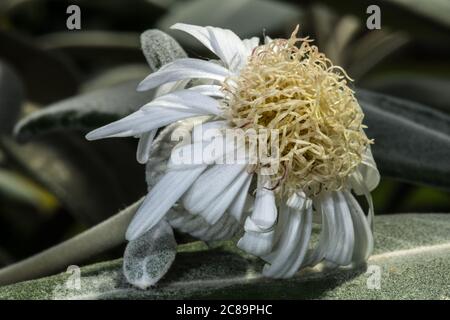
{"points": [[323, 157]]}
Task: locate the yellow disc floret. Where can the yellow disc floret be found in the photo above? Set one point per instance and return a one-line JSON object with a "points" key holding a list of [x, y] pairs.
{"points": [[298, 92]]}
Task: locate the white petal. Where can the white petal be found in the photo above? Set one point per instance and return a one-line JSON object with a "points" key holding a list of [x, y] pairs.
{"points": [[363, 235], [224, 43], [229, 230], [209, 90], [259, 227], [160, 199], [264, 213], [145, 145], [297, 200], [251, 44], [239, 204], [221, 230], [218, 206], [295, 259], [324, 205], [286, 247], [170, 87], [256, 243], [208, 150], [369, 173], [341, 251], [158, 113], [190, 224], [207, 131], [185, 100], [359, 187], [283, 217], [182, 69], [210, 185]]}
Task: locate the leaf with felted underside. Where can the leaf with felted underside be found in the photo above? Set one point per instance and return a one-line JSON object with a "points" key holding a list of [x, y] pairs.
{"points": [[405, 246]]}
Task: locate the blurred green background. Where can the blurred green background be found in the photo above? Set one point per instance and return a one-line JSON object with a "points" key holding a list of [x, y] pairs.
{"points": [[54, 184]]}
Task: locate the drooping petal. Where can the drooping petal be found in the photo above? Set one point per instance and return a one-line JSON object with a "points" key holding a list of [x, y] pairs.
{"points": [[298, 200], [284, 257], [161, 198], [220, 204], [197, 227], [363, 235], [182, 69], [222, 229], [145, 145], [259, 227], [185, 222], [369, 173], [160, 112], [223, 42], [256, 243], [328, 235], [237, 208], [210, 146], [211, 184], [296, 258], [360, 187], [341, 251], [146, 139]]}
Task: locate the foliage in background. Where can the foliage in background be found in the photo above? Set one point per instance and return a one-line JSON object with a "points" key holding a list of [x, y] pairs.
{"points": [[58, 84]]}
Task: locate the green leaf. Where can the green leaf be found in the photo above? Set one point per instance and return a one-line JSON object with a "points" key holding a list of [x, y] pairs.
{"points": [[11, 98], [406, 245], [94, 109], [159, 48], [427, 89], [86, 46], [149, 257], [88, 40], [86, 111], [411, 140]]}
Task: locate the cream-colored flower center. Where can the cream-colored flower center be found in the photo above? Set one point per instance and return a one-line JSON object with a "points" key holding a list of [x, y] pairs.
{"points": [[298, 92]]}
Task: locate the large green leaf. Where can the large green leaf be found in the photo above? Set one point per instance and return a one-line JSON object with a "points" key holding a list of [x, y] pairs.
{"points": [[93, 109], [85, 112], [84, 47], [412, 257], [412, 142], [427, 89]]}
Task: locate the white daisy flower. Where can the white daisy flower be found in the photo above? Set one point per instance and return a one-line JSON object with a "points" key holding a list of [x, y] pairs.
{"points": [[285, 85]]}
